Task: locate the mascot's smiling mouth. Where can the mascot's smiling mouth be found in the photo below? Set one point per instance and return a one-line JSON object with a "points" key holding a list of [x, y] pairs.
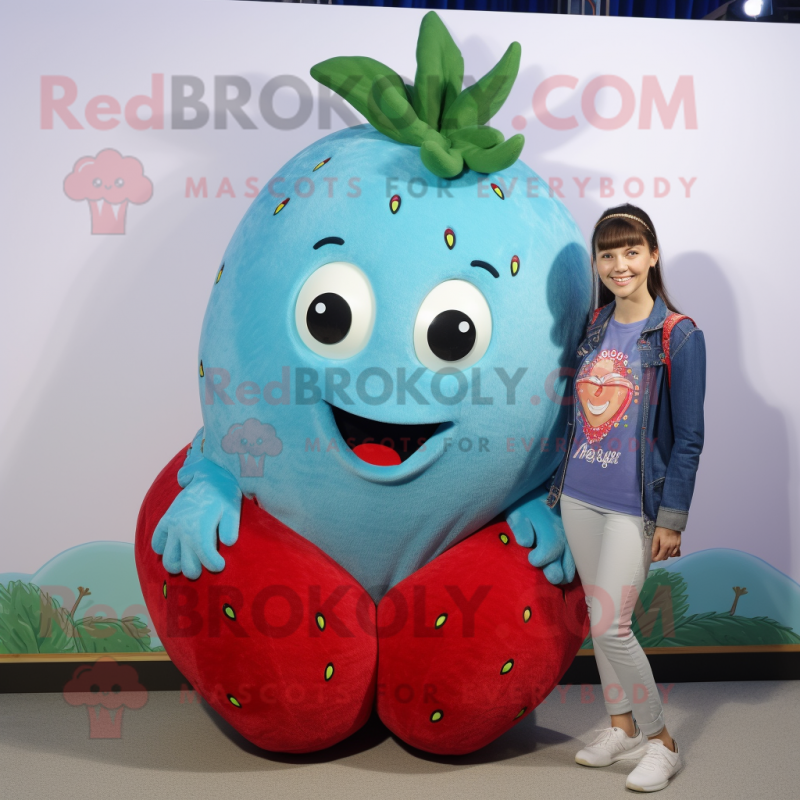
{"points": [[383, 444]]}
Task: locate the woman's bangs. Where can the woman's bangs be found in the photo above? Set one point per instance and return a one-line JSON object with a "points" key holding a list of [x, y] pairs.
{"points": [[619, 233]]}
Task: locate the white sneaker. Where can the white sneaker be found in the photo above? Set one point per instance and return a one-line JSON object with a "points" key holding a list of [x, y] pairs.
{"points": [[657, 766], [613, 744]]}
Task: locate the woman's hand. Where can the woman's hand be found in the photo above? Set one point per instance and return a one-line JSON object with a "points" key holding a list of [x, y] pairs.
{"points": [[666, 543]]}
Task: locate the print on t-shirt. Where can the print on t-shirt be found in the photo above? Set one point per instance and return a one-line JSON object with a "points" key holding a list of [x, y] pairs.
{"points": [[604, 462], [605, 390]]}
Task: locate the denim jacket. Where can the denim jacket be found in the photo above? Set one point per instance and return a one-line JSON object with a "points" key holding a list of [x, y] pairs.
{"points": [[671, 434]]}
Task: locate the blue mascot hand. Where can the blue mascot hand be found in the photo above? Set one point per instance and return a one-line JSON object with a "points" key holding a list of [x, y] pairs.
{"points": [[186, 536], [536, 525]]}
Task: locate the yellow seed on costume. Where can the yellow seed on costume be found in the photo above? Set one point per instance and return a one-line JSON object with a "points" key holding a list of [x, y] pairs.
{"points": [[506, 668], [321, 164], [219, 274], [281, 206], [504, 538], [321, 622], [328, 672], [498, 191], [437, 715], [450, 238], [164, 590], [521, 712], [440, 620], [526, 614], [234, 701], [514, 265], [394, 203], [228, 611], [202, 372]]}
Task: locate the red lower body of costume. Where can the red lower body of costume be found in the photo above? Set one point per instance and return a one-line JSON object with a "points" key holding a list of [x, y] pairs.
{"points": [[291, 650]]}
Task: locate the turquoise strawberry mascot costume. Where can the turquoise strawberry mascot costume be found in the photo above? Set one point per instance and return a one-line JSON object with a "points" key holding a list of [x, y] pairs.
{"points": [[360, 523]]}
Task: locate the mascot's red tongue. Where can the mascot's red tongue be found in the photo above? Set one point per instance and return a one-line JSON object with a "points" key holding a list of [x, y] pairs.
{"points": [[378, 454]]}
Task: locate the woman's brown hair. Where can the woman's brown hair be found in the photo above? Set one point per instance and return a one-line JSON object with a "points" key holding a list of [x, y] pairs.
{"points": [[614, 231]]}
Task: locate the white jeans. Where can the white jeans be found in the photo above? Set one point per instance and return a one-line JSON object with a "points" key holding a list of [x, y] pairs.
{"points": [[612, 557]]}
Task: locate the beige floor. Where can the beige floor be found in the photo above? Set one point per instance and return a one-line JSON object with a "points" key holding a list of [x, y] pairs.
{"points": [[739, 741]]}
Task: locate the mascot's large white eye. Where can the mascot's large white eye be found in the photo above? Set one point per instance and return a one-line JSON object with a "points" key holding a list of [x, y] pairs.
{"points": [[453, 326], [335, 310]]}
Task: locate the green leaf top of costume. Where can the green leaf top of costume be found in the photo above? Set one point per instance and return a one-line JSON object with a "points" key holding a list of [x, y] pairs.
{"points": [[447, 123]]}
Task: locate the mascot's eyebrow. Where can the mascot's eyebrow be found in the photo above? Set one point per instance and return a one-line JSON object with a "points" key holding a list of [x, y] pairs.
{"points": [[487, 266], [328, 240]]}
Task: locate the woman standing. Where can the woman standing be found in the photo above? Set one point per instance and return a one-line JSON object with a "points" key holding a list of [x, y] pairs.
{"points": [[628, 475]]}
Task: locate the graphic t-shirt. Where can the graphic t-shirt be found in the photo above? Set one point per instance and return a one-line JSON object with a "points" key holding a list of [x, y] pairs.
{"points": [[603, 463]]}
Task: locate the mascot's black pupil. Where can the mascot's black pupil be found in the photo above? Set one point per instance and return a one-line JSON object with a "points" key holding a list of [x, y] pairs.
{"points": [[329, 318], [451, 335]]}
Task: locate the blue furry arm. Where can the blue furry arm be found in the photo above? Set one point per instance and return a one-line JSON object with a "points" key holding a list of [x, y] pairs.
{"points": [[539, 527], [208, 505]]}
